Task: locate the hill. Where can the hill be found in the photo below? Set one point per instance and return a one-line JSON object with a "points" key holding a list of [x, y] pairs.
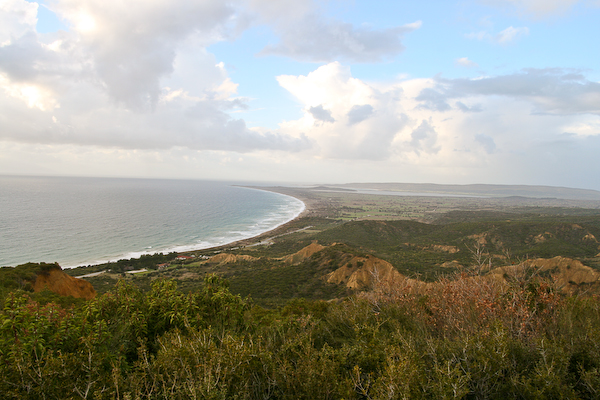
{"points": [[41, 277]]}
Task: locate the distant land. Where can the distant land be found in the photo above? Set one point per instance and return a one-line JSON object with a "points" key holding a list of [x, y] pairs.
{"points": [[474, 190]]}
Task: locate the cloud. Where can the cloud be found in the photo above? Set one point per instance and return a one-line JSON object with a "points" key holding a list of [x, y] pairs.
{"points": [[487, 142], [305, 35], [424, 138], [135, 88], [131, 48], [510, 34], [363, 121], [504, 37], [313, 39], [472, 129], [551, 91], [17, 17], [135, 77], [200, 125], [465, 62], [321, 114], [360, 113], [434, 100], [464, 108]]}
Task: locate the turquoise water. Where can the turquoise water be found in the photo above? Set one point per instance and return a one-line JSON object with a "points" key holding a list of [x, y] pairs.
{"points": [[82, 221]]}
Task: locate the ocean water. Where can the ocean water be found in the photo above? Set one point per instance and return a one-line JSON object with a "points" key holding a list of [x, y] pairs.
{"points": [[83, 221]]}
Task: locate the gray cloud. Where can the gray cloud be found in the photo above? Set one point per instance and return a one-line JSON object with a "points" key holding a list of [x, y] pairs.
{"points": [[424, 138], [377, 144], [487, 142], [27, 58], [433, 99], [202, 126], [464, 108], [321, 114], [310, 38], [551, 91], [359, 113]]}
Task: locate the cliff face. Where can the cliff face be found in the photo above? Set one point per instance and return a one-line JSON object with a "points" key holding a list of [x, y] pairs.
{"points": [[569, 275], [362, 272], [65, 285], [226, 258], [306, 252]]}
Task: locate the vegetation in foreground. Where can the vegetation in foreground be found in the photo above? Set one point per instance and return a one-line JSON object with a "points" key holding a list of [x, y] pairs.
{"points": [[464, 338]]}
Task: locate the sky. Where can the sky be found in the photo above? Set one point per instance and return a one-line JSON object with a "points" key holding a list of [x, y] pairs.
{"points": [[303, 91]]}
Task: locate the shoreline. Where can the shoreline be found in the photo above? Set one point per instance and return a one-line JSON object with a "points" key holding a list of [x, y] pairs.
{"points": [[308, 210], [252, 240]]}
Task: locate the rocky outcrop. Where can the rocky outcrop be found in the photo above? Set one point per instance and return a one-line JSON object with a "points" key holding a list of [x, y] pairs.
{"points": [[226, 258], [569, 275], [60, 283], [303, 254], [445, 249], [363, 272]]}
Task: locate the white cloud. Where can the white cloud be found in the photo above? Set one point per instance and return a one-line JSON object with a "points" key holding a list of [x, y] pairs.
{"points": [[364, 120], [132, 87], [133, 46], [34, 96], [504, 37], [132, 77], [465, 62], [510, 34], [470, 129], [585, 126], [17, 17]]}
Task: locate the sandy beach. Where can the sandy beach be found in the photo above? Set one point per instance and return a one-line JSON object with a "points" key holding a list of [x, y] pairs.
{"points": [[313, 207]]}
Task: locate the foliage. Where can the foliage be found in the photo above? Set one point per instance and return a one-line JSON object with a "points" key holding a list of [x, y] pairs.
{"points": [[465, 337]]}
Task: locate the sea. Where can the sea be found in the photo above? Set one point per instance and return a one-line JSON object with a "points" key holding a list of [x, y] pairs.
{"points": [[87, 221]]}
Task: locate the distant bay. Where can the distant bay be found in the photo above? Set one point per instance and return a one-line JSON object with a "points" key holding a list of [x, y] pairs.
{"points": [[82, 221]]}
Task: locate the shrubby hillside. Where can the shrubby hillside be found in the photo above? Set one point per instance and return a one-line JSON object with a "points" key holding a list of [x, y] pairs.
{"points": [[463, 337]]}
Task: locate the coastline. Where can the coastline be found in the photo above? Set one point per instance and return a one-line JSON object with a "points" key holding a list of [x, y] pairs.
{"points": [[309, 209], [277, 230]]}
